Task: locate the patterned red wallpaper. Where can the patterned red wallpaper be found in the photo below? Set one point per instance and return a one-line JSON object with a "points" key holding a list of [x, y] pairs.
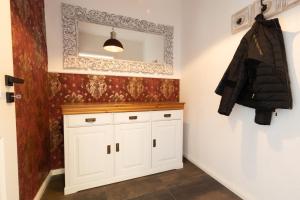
{"points": [[43, 93], [76, 88], [30, 63]]}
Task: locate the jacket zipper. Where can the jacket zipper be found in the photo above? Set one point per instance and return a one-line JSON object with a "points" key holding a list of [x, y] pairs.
{"points": [[258, 45]]}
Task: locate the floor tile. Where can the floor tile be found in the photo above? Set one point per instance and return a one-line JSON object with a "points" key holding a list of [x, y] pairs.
{"points": [[161, 195], [189, 183], [203, 188]]}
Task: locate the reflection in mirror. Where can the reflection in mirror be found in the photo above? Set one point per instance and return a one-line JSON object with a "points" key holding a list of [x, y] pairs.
{"points": [[113, 44], [138, 46]]}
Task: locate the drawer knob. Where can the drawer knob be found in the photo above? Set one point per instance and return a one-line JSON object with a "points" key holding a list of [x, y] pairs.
{"points": [[167, 115], [90, 120], [133, 118]]}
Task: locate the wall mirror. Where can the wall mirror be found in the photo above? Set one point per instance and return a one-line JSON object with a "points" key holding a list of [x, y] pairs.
{"points": [[146, 47]]}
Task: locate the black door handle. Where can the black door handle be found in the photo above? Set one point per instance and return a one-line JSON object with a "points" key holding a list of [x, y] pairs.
{"points": [[10, 80], [108, 149], [117, 147], [154, 143]]}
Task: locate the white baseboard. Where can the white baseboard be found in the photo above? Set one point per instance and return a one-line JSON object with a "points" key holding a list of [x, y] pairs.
{"points": [[43, 187], [202, 167], [55, 172], [214, 175], [205, 169]]}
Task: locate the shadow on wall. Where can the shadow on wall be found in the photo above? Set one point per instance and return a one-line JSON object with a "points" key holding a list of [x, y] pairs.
{"points": [[201, 38], [283, 127]]}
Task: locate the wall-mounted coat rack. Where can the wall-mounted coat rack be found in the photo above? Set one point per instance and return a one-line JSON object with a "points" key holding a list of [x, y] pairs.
{"points": [[244, 18]]}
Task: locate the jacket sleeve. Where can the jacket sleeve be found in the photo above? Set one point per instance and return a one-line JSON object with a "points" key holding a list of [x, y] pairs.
{"points": [[233, 80]]}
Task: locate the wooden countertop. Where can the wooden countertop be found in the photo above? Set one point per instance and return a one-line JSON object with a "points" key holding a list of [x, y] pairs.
{"points": [[73, 109]]}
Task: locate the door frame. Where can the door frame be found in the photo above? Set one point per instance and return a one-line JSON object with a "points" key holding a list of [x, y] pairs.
{"points": [[2, 171], [8, 131]]}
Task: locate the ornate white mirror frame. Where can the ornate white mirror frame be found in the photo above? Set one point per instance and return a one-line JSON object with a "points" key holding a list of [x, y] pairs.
{"points": [[71, 15]]}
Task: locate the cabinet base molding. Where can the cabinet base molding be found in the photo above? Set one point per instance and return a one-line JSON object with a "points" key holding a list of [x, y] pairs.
{"points": [[85, 186]]}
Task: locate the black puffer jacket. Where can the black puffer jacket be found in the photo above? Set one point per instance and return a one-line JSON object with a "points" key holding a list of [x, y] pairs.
{"points": [[257, 77]]}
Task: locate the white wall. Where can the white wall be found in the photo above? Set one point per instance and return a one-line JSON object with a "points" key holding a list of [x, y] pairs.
{"points": [[164, 12], [258, 162], [7, 111]]}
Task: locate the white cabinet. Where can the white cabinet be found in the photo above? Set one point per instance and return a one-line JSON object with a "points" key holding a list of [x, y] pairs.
{"points": [[132, 148], [90, 153], [105, 148], [167, 143]]}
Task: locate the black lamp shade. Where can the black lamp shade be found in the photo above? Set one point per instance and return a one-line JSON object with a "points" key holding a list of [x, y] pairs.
{"points": [[113, 45]]}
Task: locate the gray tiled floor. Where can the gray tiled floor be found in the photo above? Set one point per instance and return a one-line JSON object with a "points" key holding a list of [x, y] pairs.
{"points": [[189, 183]]}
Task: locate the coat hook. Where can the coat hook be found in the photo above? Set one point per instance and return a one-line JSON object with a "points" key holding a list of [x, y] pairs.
{"points": [[263, 6], [239, 21]]}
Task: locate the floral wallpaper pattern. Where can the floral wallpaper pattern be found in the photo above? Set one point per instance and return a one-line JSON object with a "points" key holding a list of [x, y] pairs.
{"points": [[30, 63], [79, 88]]}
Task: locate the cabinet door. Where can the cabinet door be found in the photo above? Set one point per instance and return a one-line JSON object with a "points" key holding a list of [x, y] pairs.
{"points": [[91, 155], [166, 143], [133, 146]]}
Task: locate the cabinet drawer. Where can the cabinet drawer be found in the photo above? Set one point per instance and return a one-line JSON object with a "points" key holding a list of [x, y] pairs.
{"points": [[132, 117], [167, 115], [89, 120]]}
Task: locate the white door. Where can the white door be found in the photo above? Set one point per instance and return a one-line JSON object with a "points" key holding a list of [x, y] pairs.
{"points": [[133, 148], [166, 143], [91, 154], [10, 184]]}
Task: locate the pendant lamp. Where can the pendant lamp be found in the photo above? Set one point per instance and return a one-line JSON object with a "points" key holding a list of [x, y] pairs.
{"points": [[112, 44]]}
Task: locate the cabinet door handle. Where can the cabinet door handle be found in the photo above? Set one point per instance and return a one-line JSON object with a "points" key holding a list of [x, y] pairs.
{"points": [[133, 118], [90, 120], [118, 147], [108, 149], [167, 115], [154, 143]]}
